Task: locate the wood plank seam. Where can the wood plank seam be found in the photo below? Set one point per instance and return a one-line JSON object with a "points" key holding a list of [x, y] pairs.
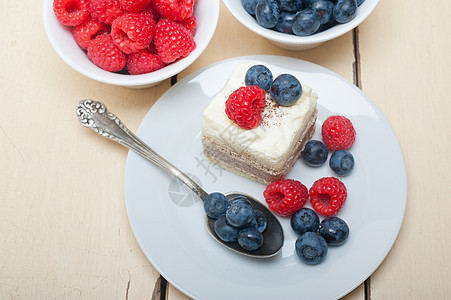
{"points": [[162, 284], [156, 294], [173, 79], [127, 289], [367, 288], [163, 288], [356, 67]]}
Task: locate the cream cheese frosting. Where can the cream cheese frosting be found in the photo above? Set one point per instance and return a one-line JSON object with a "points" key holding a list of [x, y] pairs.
{"points": [[270, 142]]}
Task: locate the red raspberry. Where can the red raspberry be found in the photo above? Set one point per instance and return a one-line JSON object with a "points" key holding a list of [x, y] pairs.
{"points": [[106, 10], [134, 6], [153, 11], [133, 32], [245, 105], [173, 41], [338, 133], [71, 12], [286, 196], [143, 61], [88, 30], [328, 195], [190, 24], [174, 9], [152, 49], [105, 54]]}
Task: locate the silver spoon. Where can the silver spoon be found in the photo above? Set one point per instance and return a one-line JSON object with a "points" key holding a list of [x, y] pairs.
{"points": [[94, 115]]}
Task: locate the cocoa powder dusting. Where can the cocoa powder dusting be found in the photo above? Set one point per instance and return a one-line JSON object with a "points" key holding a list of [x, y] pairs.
{"points": [[271, 114]]}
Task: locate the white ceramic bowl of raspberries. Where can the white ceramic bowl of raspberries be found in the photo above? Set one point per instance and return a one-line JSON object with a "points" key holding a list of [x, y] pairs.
{"points": [[130, 43], [300, 24]]}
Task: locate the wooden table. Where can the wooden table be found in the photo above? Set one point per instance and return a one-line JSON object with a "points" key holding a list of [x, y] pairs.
{"points": [[63, 224]]}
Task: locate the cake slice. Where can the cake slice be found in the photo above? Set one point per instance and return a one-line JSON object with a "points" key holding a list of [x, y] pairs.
{"points": [[265, 153]]}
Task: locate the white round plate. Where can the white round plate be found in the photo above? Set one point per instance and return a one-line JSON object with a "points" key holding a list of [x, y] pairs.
{"points": [[168, 220]]}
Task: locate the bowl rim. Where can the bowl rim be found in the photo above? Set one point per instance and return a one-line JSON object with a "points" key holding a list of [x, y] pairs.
{"points": [[125, 79], [338, 30]]}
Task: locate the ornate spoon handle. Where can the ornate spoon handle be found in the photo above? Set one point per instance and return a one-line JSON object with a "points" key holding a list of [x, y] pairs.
{"points": [[94, 115]]}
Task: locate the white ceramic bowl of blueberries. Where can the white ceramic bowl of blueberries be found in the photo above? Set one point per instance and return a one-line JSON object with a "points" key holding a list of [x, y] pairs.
{"points": [[300, 24]]}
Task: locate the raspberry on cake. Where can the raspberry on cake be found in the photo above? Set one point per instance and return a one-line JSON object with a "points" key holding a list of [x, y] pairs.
{"points": [[244, 106], [267, 152]]}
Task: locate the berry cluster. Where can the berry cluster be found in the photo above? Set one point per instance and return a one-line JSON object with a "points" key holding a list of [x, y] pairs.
{"points": [[130, 36], [327, 195], [285, 90], [236, 220], [301, 17], [338, 135], [245, 105], [315, 236], [287, 197]]}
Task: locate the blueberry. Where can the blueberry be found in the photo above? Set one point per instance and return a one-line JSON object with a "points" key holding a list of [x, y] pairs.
{"points": [[267, 13], [240, 212], [345, 10], [334, 230], [315, 153], [286, 90], [341, 162], [260, 76], [324, 10], [285, 22], [328, 25], [311, 248], [250, 239], [360, 2], [249, 6], [225, 231], [259, 221], [291, 5], [215, 205], [306, 22], [304, 220]]}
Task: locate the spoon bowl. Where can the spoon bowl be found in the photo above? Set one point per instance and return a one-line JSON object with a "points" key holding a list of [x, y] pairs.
{"points": [[94, 115], [272, 235]]}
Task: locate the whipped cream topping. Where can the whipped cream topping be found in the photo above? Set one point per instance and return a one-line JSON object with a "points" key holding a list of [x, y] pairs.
{"points": [[272, 140]]}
